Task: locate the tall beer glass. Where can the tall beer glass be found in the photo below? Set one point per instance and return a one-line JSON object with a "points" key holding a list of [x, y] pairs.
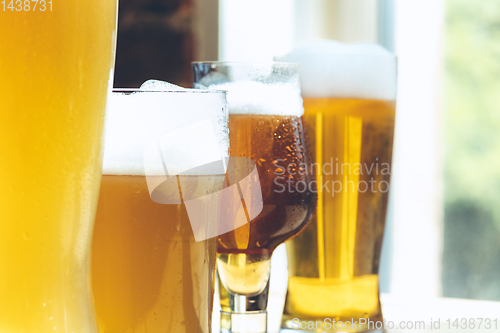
{"points": [[151, 270], [265, 124], [56, 62], [349, 99]]}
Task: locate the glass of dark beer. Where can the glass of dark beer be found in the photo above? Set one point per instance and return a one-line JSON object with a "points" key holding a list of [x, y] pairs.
{"points": [[266, 124]]}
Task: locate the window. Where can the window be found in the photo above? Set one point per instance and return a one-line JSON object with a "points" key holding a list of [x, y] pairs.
{"points": [[443, 228]]}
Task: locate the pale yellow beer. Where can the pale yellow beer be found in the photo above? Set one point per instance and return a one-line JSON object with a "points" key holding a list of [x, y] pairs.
{"points": [[333, 264], [349, 114], [55, 69], [149, 273]]}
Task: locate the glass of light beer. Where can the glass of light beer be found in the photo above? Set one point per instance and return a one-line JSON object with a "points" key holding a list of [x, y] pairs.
{"points": [[349, 99], [153, 265], [56, 66], [266, 124]]}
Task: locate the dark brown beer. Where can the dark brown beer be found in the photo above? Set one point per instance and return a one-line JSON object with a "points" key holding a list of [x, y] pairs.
{"points": [[278, 146]]}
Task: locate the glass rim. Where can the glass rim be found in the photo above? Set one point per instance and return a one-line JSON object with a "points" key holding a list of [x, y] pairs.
{"points": [[187, 90], [247, 63]]}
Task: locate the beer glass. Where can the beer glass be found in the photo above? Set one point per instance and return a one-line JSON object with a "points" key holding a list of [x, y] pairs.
{"points": [[349, 99], [152, 269], [265, 124], [56, 65]]}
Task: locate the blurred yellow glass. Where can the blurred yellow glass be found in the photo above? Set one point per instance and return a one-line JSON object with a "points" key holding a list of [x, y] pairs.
{"points": [[55, 67]]}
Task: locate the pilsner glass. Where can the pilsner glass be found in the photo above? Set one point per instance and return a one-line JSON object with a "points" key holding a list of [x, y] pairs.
{"points": [[266, 125], [349, 99], [152, 270], [56, 65]]}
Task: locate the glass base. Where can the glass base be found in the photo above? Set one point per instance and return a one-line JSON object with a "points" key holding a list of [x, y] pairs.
{"points": [[243, 314], [248, 322]]}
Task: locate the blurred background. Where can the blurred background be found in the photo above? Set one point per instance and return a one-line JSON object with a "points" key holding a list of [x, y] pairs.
{"points": [[443, 229]]}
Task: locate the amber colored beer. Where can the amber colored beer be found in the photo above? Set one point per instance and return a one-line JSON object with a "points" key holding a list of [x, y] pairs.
{"points": [[55, 69], [149, 274], [278, 146], [333, 264]]}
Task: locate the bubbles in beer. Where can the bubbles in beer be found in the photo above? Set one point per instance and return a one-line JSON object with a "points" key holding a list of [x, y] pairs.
{"points": [[331, 69], [135, 120]]}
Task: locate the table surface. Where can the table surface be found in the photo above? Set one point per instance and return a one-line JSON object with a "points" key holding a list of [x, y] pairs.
{"points": [[443, 312]]}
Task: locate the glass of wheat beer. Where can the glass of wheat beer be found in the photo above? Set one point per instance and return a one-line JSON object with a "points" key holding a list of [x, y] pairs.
{"points": [[349, 99], [153, 264], [266, 124], [56, 65]]}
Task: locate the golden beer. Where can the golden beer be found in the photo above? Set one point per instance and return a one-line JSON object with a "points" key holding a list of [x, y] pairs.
{"points": [[350, 114], [333, 264], [149, 273], [55, 67]]}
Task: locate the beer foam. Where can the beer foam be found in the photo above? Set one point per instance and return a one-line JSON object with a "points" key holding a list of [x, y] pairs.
{"points": [[180, 125], [252, 97], [157, 85], [337, 70]]}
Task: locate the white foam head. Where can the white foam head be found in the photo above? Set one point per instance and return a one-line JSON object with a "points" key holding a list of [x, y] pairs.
{"points": [[185, 126], [157, 85], [248, 97], [337, 70], [258, 88]]}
